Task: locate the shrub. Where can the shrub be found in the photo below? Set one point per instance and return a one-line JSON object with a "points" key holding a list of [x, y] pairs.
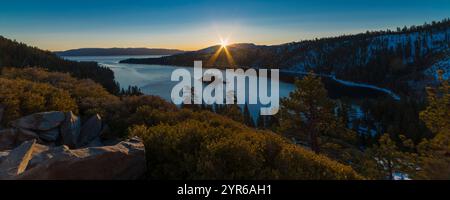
{"points": [[22, 97], [91, 97], [205, 149]]}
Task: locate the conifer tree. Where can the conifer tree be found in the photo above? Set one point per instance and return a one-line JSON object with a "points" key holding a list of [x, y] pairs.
{"points": [[434, 154], [386, 159], [307, 112]]}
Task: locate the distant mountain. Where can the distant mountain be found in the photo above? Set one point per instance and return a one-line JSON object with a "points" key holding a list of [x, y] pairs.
{"points": [[395, 59], [117, 52]]}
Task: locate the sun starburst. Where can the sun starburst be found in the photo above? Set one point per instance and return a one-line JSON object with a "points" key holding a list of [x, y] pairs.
{"points": [[223, 49], [224, 43]]}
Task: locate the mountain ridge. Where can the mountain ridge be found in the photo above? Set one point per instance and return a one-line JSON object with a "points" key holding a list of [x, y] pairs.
{"points": [[115, 51]]}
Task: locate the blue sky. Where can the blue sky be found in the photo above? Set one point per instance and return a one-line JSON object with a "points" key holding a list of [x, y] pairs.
{"points": [[60, 25]]}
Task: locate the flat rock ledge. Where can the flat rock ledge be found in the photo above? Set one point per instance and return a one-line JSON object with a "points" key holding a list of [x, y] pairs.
{"points": [[55, 146]]}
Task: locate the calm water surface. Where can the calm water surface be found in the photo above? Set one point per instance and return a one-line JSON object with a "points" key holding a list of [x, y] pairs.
{"points": [[155, 79]]}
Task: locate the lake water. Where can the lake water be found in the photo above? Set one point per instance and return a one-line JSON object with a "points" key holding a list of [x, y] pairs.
{"points": [[155, 79]]}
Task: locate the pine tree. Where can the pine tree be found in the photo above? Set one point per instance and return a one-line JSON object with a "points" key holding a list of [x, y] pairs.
{"points": [[385, 158], [343, 112], [434, 154], [307, 112]]}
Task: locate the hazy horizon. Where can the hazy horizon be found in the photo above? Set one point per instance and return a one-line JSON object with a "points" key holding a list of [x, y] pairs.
{"points": [[185, 25]]}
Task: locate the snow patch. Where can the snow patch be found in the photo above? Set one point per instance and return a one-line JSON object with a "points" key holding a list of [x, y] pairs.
{"points": [[443, 65]]}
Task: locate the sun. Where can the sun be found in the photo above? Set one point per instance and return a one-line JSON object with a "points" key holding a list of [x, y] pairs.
{"points": [[223, 49], [223, 43]]}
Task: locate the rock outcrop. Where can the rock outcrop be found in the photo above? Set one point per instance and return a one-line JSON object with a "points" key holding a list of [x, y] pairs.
{"points": [[16, 161], [125, 160], [55, 145], [40, 121], [11, 138], [90, 130], [58, 128], [70, 130], [50, 135]]}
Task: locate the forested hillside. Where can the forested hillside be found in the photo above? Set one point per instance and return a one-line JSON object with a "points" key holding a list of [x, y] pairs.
{"points": [[15, 54], [396, 59]]}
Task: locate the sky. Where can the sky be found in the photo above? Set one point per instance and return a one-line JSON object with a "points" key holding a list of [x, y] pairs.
{"points": [[190, 25]]}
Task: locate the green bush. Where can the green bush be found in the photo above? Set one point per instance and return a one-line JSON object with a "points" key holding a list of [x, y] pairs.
{"points": [[22, 97], [205, 149], [91, 97]]}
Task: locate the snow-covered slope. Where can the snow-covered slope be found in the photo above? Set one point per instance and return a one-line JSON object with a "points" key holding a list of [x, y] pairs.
{"points": [[443, 64], [361, 51], [391, 60]]}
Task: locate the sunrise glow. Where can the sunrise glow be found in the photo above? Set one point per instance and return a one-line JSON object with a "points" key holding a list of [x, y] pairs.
{"points": [[224, 42]]}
